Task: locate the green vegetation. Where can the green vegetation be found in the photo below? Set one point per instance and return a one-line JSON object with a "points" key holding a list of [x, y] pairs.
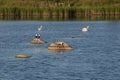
{"points": [[60, 9]]}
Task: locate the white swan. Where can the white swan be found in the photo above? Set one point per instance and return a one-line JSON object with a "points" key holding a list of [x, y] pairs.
{"points": [[85, 29], [40, 28]]}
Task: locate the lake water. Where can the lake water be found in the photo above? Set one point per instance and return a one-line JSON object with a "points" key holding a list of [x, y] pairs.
{"points": [[96, 54]]}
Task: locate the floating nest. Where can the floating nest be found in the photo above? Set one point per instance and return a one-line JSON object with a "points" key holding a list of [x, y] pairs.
{"points": [[38, 41], [22, 56], [60, 47]]}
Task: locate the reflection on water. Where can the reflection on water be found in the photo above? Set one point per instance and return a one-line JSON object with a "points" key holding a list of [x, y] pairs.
{"points": [[59, 18], [60, 51]]}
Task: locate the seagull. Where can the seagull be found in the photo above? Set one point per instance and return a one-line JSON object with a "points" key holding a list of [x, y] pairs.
{"points": [[85, 29], [40, 28]]}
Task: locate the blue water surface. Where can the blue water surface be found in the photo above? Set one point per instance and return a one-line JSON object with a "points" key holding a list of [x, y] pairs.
{"points": [[96, 54]]}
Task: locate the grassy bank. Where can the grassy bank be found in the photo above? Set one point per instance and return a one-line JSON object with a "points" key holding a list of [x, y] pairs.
{"points": [[59, 9], [59, 13]]}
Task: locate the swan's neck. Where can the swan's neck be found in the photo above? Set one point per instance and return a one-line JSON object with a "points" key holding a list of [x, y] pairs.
{"points": [[40, 26], [87, 27]]}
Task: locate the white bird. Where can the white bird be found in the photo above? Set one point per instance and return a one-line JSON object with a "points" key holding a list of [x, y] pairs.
{"points": [[40, 28], [85, 29]]}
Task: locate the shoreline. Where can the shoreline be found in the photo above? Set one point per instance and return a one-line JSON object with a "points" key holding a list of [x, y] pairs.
{"points": [[59, 13]]}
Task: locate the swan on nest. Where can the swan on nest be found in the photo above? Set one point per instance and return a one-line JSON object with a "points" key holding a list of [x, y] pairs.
{"points": [[59, 46]]}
